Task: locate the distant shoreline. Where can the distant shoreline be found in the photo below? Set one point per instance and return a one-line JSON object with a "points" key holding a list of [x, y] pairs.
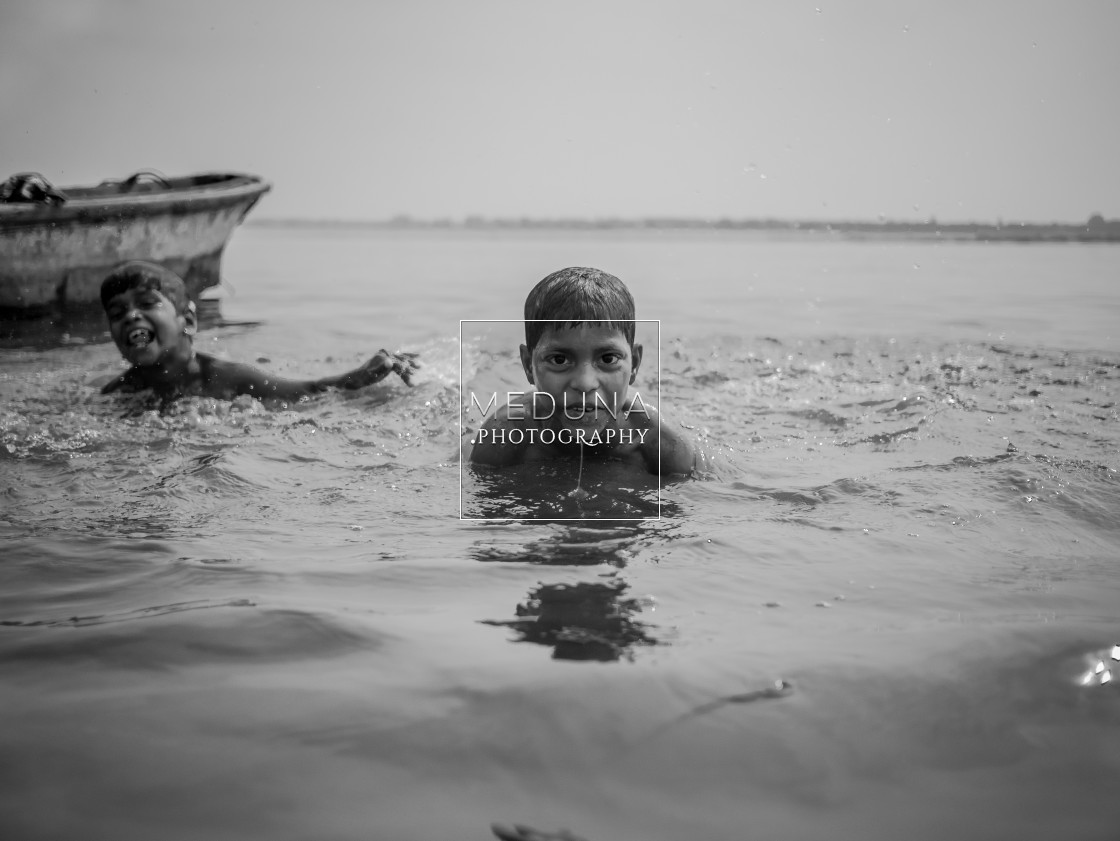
{"points": [[1096, 229]]}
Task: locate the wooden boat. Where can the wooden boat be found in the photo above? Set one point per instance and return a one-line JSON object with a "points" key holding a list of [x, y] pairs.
{"points": [[56, 246]]}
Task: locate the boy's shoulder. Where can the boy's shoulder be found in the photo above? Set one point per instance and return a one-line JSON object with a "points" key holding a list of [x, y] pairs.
{"points": [[205, 375], [223, 378], [494, 445]]}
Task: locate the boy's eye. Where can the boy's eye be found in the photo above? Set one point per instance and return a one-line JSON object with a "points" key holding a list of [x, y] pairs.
{"points": [[556, 359], [612, 358]]}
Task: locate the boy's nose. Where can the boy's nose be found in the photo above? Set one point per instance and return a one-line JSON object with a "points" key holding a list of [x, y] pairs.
{"points": [[585, 379]]}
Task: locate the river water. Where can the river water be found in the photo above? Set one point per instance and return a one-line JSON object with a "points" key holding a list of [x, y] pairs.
{"points": [[879, 614]]}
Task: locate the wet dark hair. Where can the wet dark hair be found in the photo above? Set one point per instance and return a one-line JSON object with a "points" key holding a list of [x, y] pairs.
{"points": [[577, 296], [137, 274]]}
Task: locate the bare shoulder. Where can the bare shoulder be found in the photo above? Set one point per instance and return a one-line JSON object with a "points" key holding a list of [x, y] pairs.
{"points": [[224, 379], [493, 443], [666, 446]]}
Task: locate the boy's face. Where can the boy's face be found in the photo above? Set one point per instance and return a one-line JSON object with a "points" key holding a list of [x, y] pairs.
{"points": [[584, 366], [146, 326]]}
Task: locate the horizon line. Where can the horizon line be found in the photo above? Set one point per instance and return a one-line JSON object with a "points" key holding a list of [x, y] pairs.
{"points": [[1094, 221]]}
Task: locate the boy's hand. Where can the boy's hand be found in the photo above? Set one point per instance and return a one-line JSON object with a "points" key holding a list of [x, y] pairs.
{"points": [[384, 363]]}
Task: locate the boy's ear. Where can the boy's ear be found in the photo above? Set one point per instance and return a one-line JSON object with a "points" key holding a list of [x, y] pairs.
{"points": [[527, 363], [190, 319], [636, 357]]}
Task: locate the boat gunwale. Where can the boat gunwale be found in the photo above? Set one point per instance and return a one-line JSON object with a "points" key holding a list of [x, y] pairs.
{"points": [[176, 200]]}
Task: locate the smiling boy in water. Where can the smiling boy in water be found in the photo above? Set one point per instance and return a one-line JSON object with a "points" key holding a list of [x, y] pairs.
{"points": [[581, 357], [153, 323]]}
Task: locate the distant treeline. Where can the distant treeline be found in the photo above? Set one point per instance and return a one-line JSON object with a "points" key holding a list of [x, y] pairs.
{"points": [[1096, 229]]}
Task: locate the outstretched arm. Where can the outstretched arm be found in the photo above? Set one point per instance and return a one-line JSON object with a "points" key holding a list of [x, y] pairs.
{"points": [[115, 384], [227, 379], [378, 368]]}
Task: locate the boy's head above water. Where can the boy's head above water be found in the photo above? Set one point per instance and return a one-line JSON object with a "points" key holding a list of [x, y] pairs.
{"points": [[581, 358], [150, 315], [578, 296], [137, 274], [580, 348]]}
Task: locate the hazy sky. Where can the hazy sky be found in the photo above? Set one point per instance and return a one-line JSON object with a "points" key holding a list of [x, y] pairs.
{"points": [[961, 109]]}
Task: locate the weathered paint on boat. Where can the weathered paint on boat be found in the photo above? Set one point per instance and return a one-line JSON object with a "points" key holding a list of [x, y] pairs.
{"points": [[53, 257]]}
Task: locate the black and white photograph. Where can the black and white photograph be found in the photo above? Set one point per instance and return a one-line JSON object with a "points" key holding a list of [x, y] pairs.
{"points": [[630, 420]]}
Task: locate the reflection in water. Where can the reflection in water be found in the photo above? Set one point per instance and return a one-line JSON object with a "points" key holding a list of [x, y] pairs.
{"points": [[611, 490], [48, 330], [584, 621], [589, 544], [521, 832], [54, 330], [1100, 667]]}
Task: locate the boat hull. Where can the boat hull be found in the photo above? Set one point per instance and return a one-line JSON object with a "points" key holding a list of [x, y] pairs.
{"points": [[53, 258]]}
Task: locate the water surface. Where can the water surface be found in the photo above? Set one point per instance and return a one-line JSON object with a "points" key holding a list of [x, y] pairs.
{"points": [[244, 621]]}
